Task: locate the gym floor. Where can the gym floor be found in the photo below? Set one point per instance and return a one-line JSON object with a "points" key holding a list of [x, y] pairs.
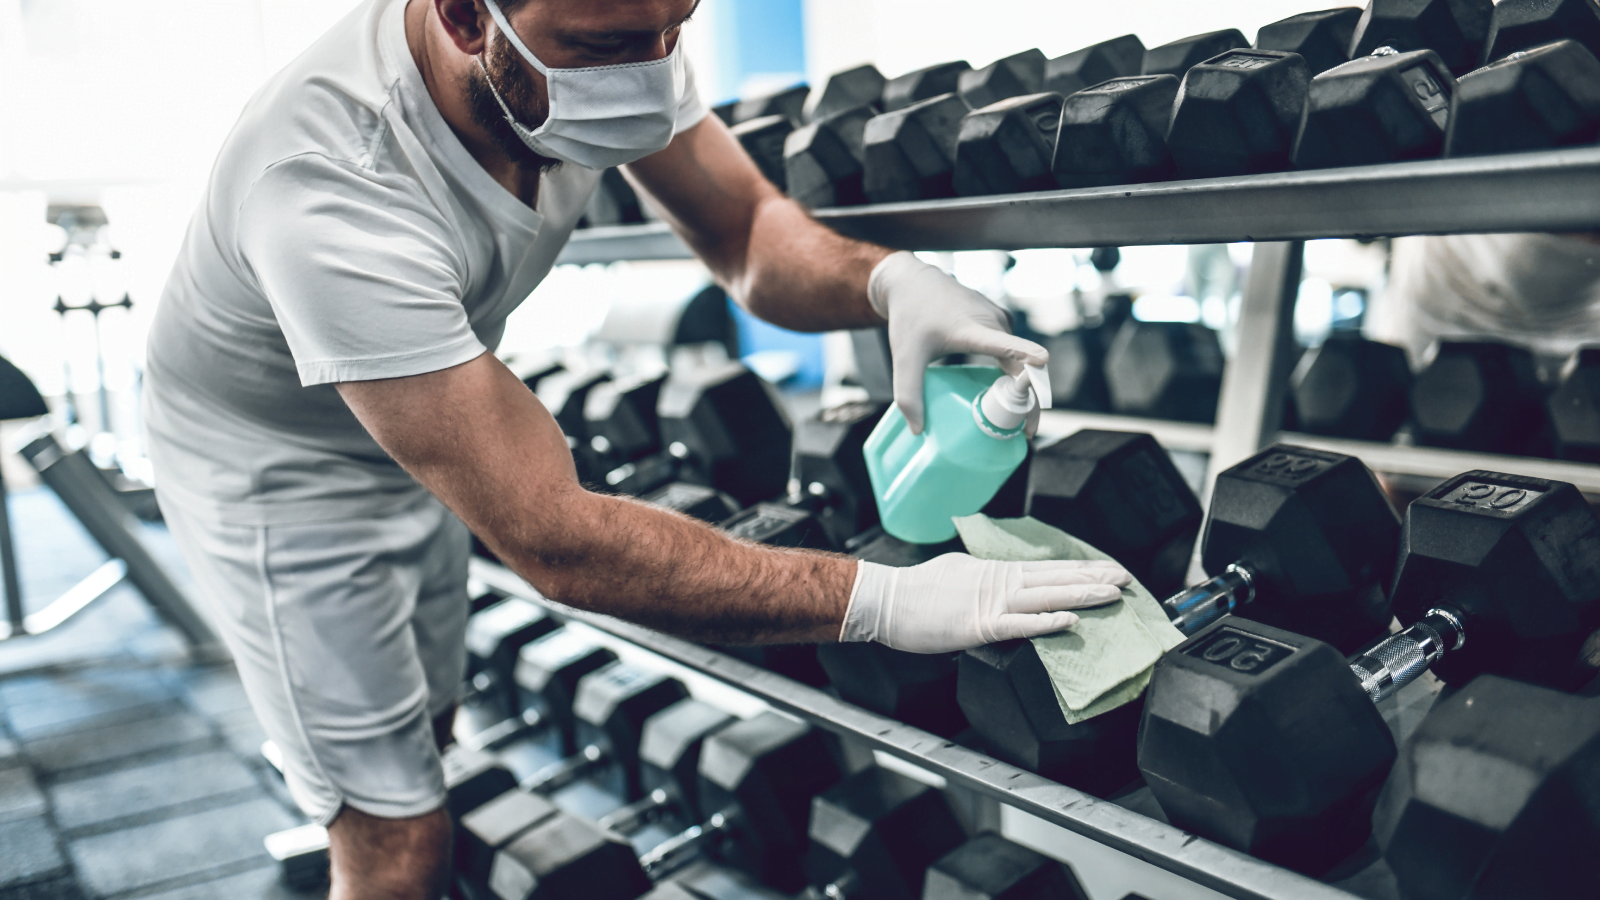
{"points": [[126, 771]]}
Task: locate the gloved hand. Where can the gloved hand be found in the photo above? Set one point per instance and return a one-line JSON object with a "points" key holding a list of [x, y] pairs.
{"points": [[957, 601], [931, 314]]}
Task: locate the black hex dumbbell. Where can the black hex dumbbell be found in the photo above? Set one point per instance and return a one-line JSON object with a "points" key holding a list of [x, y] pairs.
{"points": [[1481, 395], [909, 152], [1535, 99], [874, 835], [1178, 57], [1352, 387], [1296, 536], [1096, 63], [1386, 107], [1226, 746], [1006, 147], [989, 867], [1450, 833], [1454, 29], [1238, 113], [1322, 37]]}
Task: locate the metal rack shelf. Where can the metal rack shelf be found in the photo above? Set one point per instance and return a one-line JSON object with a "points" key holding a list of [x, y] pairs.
{"points": [[1226, 871], [1425, 464], [1553, 190]]}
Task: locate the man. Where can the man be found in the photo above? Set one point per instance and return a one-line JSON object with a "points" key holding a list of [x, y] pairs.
{"points": [[323, 402]]}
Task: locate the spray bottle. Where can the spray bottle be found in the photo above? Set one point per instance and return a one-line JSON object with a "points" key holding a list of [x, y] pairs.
{"points": [[971, 443]]}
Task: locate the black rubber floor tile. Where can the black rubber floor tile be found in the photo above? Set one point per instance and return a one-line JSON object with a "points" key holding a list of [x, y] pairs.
{"points": [[172, 730], [145, 855], [148, 788], [20, 797], [30, 851]]}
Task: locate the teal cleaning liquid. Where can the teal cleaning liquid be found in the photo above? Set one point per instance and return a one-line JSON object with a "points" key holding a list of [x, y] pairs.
{"points": [[970, 444]]}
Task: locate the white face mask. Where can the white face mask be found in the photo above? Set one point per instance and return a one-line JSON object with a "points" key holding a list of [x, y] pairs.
{"points": [[600, 116]]}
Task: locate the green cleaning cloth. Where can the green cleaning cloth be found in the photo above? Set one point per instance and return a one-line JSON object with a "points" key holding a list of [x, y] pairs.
{"points": [[1105, 660]]}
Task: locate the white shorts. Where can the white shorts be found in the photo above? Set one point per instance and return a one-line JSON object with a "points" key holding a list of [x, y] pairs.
{"points": [[349, 638]]}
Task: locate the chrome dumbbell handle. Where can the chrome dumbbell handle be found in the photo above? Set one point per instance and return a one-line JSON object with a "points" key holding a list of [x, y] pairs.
{"points": [[1194, 608], [1400, 659]]}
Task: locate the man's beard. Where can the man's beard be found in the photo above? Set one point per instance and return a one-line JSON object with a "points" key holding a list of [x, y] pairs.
{"points": [[521, 95]]}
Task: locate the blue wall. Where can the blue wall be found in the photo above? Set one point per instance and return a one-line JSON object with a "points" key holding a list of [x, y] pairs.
{"points": [[756, 37]]}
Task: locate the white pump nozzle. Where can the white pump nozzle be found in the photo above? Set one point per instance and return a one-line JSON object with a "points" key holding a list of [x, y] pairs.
{"points": [[1008, 402]]}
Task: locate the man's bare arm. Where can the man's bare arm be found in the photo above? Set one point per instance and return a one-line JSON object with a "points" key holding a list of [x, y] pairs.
{"points": [[478, 439], [776, 260]]}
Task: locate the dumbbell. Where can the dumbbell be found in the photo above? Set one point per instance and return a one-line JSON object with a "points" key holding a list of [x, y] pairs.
{"points": [[858, 86], [1535, 99], [1386, 107], [1178, 57], [727, 431], [564, 394], [1078, 357], [1352, 387], [1120, 492], [1573, 407], [874, 835], [1481, 395], [1238, 113], [1523, 24], [609, 709], [832, 471], [494, 636], [1013, 76], [1498, 573], [1115, 132], [1494, 795], [909, 151], [822, 159], [989, 867], [1454, 29], [1322, 37], [1165, 370], [1006, 147], [922, 84], [759, 775], [1298, 537], [669, 763], [763, 139], [620, 422], [669, 752], [1091, 65]]}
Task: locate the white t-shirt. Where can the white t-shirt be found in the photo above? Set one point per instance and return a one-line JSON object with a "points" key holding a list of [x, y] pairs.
{"points": [[345, 235]]}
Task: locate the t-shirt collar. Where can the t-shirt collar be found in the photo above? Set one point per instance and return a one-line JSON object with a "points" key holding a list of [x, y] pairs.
{"points": [[440, 140]]}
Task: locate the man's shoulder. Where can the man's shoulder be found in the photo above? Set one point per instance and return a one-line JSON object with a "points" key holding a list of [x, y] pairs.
{"points": [[332, 101]]}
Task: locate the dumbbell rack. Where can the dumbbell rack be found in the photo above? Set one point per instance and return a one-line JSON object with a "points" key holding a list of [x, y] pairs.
{"points": [[1545, 191], [1554, 190]]}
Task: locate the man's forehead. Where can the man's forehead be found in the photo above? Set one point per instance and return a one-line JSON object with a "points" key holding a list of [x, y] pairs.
{"points": [[611, 19]]}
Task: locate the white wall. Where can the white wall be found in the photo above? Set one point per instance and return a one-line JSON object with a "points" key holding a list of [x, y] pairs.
{"points": [[900, 35]]}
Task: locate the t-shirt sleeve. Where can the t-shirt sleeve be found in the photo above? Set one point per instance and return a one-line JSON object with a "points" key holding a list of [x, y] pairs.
{"points": [[691, 109], [364, 277]]}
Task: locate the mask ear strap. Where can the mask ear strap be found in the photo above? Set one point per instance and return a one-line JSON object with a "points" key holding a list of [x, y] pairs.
{"points": [[505, 28], [496, 92]]}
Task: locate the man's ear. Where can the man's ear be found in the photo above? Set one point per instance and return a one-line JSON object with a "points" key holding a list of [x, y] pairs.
{"points": [[466, 22]]}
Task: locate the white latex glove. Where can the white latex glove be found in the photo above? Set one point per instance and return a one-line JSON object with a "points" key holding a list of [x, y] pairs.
{"points": [[931, 314], [957, 601]]}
